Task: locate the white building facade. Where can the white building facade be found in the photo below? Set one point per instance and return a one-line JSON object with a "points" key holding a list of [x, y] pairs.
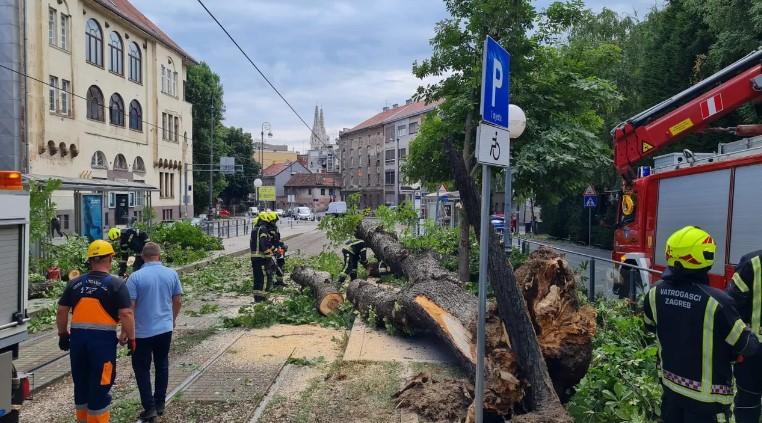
{"points": [[112, 119]]}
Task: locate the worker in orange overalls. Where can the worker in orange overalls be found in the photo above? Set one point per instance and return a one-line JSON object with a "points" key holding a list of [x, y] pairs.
{"points": [[98, 301]]}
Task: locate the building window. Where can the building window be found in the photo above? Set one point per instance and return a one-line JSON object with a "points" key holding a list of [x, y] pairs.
{"points": [[171, 127], [161, 184], [116, 110], [389, 134], [163, 79], [136, 116], [172, 185], [98, 161], [65, 32], [120, 163], [136, 66], [94, 43], [52, 27], [177, 127], [403, 153], [64, 220], [389, 177], [116, 53], [65, 90], [95, 104], [138, 165], [53, 94], [412, 128], [401, 130], [163, 126], [389, 156]]}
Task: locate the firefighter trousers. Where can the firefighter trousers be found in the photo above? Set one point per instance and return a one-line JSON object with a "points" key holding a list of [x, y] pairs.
{"points": [[748, 389], [258, 267], [676, 408], [350, 267], [93, 370]]}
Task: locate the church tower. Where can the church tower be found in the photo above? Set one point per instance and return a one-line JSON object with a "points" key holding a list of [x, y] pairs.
{"points": [[319, 136]]}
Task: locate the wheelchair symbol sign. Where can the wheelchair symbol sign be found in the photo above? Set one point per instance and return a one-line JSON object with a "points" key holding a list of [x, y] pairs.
{"points": [[492, 148]]}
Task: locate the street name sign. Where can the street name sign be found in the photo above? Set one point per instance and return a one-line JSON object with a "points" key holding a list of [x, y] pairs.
{"points": [[492, 145], [496, 71]]}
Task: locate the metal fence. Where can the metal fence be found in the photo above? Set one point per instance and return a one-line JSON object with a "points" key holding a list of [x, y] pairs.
{"points": [[599, 275], [227, 228]]}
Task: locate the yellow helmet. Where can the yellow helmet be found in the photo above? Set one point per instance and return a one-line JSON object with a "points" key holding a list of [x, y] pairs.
{"points": [[263, 216], [114, 234], [273, 216], [692, 247], [100, 248]]}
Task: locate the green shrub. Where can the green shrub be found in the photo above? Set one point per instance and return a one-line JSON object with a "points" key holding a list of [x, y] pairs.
{"points": [[68, 256], [622, 383], [184, 235], [326, 261]]}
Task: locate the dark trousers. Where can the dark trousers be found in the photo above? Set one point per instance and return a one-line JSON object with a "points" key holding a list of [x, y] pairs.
{"points": [[156, 347], [258, 265], [350, 264], [93, 370], [676, 408], [749, 389]]}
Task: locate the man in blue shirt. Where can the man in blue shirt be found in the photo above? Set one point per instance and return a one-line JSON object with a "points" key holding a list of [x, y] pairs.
{"points": [[156, 295]]}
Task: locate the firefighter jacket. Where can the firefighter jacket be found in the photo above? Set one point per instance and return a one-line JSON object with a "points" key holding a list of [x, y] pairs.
{"points": [[746, 290], [356, 249], [95, 299], [131, 242], [699, 334], [261, 242]]}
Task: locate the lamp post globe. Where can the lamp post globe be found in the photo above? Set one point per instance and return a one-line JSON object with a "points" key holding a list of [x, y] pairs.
{"points": [[517, 120], [257, 183]]}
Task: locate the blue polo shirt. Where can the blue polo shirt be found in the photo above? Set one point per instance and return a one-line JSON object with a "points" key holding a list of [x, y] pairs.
{"points": [[152, 288]]}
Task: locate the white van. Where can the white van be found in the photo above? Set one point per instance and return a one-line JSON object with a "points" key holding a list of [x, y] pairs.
{"points": [[253, 211]]}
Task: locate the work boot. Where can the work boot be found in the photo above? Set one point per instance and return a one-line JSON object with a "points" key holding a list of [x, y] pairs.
{"points": [[148, 416], [160, 409]]}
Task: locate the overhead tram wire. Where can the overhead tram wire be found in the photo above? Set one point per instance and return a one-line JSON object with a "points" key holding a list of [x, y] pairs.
{"points": [[126, 113], [257, 68]]}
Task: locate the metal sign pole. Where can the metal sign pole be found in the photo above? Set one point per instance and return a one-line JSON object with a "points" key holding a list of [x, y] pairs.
{"points": [[507, 213], [589, 225], [480, 326]]}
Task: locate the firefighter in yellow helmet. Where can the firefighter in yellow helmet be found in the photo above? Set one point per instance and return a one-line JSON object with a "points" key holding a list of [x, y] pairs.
{"points": [[261, 245], [699, 330], [98, 302], [746, 290]]}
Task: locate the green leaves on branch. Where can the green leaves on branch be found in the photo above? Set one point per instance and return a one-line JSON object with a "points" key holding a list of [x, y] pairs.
{"points": [[42, 209], [341, 228]]}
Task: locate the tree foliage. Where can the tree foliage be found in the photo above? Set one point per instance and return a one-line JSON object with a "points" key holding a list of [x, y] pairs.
{"points": [[240, 184], [42, 209]]}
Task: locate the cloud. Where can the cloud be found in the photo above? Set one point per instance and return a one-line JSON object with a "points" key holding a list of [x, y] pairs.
{"points": [[350, 57]]}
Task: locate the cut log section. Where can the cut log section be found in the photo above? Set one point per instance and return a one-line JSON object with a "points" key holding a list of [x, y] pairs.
{"points": [[327, 298]]}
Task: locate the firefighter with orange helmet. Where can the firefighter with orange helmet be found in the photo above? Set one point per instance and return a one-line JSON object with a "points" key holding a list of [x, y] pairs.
{"points": [[699, 330], [97, 301], [746, 289]]}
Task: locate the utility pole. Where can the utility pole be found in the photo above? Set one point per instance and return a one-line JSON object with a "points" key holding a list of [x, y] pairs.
{"points": [[211, 162]]}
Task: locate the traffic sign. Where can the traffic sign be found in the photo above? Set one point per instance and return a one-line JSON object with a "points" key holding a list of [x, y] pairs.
{"points": [[492, 146], [266, 193], [590, 201], [590, 191], [496, 81], [227, 165]]}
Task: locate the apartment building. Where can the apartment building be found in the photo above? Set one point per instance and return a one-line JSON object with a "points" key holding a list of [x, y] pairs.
{"points": [[112, 120], [371, 153]]}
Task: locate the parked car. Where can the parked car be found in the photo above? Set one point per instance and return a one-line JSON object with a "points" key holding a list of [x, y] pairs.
{"points": [[280, 212], [198, 221], [253, 211], [224, 213], [336, 208], [304, 213]]}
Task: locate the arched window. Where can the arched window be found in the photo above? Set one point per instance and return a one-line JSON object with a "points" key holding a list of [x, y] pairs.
{"points": [[120, 163], [117, 54], [94, 43], [138, 165], [95, 104], [116, 110], [136, 116], [136, 65], [98, 161]]}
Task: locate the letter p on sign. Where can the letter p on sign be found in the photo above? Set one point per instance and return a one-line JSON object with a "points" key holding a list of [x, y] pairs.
{"points": [[497, 78]]}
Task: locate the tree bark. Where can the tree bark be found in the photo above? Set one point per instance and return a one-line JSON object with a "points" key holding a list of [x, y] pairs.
{"points": [[512, 308], [464, 248], [327, 298]]}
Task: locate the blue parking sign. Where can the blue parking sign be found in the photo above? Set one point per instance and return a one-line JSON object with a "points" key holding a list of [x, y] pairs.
{"points": [[496, 81]]}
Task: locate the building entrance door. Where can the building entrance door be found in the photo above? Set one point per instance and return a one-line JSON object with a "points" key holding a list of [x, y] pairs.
{"points": [[122, 209]]}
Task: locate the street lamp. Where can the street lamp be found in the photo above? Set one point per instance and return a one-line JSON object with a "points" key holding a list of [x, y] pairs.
{"points": [[517, 123], [265, 126], [257, 184]]}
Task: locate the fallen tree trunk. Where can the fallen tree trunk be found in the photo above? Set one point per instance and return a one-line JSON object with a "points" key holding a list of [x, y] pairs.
{"points": [[565, 330], [327, 298], [449, 312]]}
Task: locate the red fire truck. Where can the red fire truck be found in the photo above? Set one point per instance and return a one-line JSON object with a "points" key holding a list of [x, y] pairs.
{"points": [[721, 192]]}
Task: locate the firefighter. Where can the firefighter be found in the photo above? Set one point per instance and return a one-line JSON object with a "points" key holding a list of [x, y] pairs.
{"points": [[746, 289], [131, 243], [261, 246], [354, 252], [98, 301], [276, 263], [699, 331]]}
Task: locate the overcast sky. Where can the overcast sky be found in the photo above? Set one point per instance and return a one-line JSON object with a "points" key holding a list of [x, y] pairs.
{"points": [[352, 57]]}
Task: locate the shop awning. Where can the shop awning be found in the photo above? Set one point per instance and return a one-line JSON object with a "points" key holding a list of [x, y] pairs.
{"points": [[80, 184]]}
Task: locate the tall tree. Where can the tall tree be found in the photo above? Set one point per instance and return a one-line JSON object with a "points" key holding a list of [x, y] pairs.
{"points": [[240, 184], [204, 91]]}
